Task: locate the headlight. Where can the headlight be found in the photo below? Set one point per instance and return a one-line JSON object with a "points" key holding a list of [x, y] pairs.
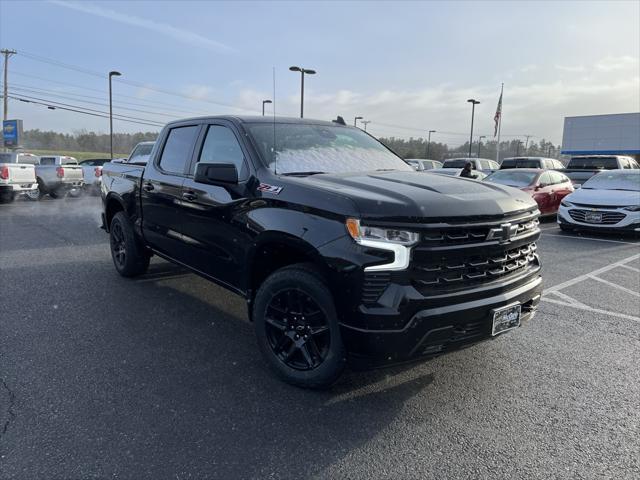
{"points": [[633, 208], [390, 239], [388, 235], [564, 203]]}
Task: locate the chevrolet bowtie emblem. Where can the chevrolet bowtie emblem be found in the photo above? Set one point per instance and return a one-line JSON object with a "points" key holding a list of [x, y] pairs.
{"points": [[502, 233]]}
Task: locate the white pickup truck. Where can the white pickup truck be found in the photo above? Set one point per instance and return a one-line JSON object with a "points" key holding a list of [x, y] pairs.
{"points": [[58, 175], [17, 176]]}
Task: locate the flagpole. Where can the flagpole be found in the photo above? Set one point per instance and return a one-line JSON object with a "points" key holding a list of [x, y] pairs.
{"points": [[499, 125]]}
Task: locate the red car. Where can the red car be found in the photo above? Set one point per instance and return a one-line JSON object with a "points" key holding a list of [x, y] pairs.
{"points": [[547, 187]]}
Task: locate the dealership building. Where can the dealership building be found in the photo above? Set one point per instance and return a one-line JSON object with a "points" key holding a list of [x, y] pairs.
{"points": [[614, 134]]}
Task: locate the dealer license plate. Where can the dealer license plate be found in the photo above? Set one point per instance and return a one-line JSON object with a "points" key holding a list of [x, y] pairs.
{"points": [[506, 318], [593, 217]]}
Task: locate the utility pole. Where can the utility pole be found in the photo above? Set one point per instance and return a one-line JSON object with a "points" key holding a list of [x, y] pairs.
{"points": [[526, 143], [473, 103], [365, 123], [429, 142], [7, 54], [518, 147]]}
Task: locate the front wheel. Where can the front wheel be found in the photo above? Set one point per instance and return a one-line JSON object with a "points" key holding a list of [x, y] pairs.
{"points": [[297, 327], [128, 255]]}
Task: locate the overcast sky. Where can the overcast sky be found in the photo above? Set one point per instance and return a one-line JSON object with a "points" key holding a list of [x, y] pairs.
{"points": [[410, 65]]}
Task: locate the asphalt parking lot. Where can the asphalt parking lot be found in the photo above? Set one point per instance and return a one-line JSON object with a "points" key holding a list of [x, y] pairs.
{"points": [[159, 377]]}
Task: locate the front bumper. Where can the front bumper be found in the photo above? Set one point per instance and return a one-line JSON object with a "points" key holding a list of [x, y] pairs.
{"points": [[630, 223], [437, 330], [19, 188]]}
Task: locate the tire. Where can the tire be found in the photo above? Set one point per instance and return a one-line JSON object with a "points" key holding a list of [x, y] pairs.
{"points": [[127, 254], [56, 194], [297, 327], [34, 195]]}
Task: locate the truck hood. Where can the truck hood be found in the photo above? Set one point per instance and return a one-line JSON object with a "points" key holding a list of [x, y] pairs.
{"points": [[417, 195], [621, 198]]}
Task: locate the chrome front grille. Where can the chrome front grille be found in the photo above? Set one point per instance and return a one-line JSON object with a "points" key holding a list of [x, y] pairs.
{"points": [[454, 258], [452, 235], [608, 218], [445, 273]]}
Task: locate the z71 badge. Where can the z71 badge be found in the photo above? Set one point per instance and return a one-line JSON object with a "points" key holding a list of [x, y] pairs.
{"points": [[263, 187]]}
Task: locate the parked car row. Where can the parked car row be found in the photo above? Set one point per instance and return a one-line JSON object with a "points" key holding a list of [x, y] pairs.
{"points": [[35, 176]]}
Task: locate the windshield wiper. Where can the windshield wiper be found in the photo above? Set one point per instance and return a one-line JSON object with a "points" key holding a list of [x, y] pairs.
{"points": [[625, 189], [302, 174]]}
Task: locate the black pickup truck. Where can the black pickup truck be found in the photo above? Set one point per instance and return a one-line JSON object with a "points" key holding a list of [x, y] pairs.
{"points": [[344, 254]]}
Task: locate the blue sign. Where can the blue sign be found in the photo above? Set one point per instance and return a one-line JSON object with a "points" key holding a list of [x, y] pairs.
{"points": [[12, 132]]}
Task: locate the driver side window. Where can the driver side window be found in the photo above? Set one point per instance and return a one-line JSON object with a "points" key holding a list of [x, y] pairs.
{"points": [[221, 146]]}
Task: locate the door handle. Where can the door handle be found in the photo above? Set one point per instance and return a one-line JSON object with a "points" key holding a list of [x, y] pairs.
{"points": [[147, 187], [189, 196]]}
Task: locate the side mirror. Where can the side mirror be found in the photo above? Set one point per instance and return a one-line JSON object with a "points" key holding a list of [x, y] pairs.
{"points": [[577, 185], [216, 173], [539, 186]]}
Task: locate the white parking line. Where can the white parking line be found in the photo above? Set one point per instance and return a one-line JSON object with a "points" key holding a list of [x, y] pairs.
{"points": [[591, 309], [588, 238], [568, 301], [614, 285], [633, 269], [580, 278]]}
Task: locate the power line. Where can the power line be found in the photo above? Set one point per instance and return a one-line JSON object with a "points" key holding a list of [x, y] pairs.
{"points": [[57, 63], [89, 109], [153, 102], [49, 92], [72, 108]]}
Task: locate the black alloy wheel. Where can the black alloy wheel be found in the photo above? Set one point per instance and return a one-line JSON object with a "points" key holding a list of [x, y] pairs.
{"points": [[118, 248], [129, 256], [297, 329]]}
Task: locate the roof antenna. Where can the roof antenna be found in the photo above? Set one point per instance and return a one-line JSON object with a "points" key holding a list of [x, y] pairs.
{"points": [[273, 148], [339, 121]]}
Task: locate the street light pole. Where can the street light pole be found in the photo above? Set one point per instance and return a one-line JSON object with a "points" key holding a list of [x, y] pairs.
{"points": [[480, 143], [429, 142], [302, 73], [518, 148], [263, 102], [111, 74], [473, 103], [355, 120]]}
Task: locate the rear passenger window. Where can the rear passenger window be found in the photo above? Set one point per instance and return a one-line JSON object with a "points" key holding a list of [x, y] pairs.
{"points": [[47, 161], [221, 146], [177, 149], [545, 179]]}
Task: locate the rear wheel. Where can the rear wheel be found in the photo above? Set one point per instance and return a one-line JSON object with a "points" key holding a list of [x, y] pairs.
{"points": [[56, 193], [34, 194], [297, 327], [128, 255]]}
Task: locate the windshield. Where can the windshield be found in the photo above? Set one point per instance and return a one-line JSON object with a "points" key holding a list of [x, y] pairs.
{"points": [[457, 163], [520, 163], [605, 163], [614, 181], [141, 153], [512, 178], [304, 148]]}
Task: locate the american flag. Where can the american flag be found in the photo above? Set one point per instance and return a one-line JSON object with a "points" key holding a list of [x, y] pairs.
{"points": [[498, 114]]}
